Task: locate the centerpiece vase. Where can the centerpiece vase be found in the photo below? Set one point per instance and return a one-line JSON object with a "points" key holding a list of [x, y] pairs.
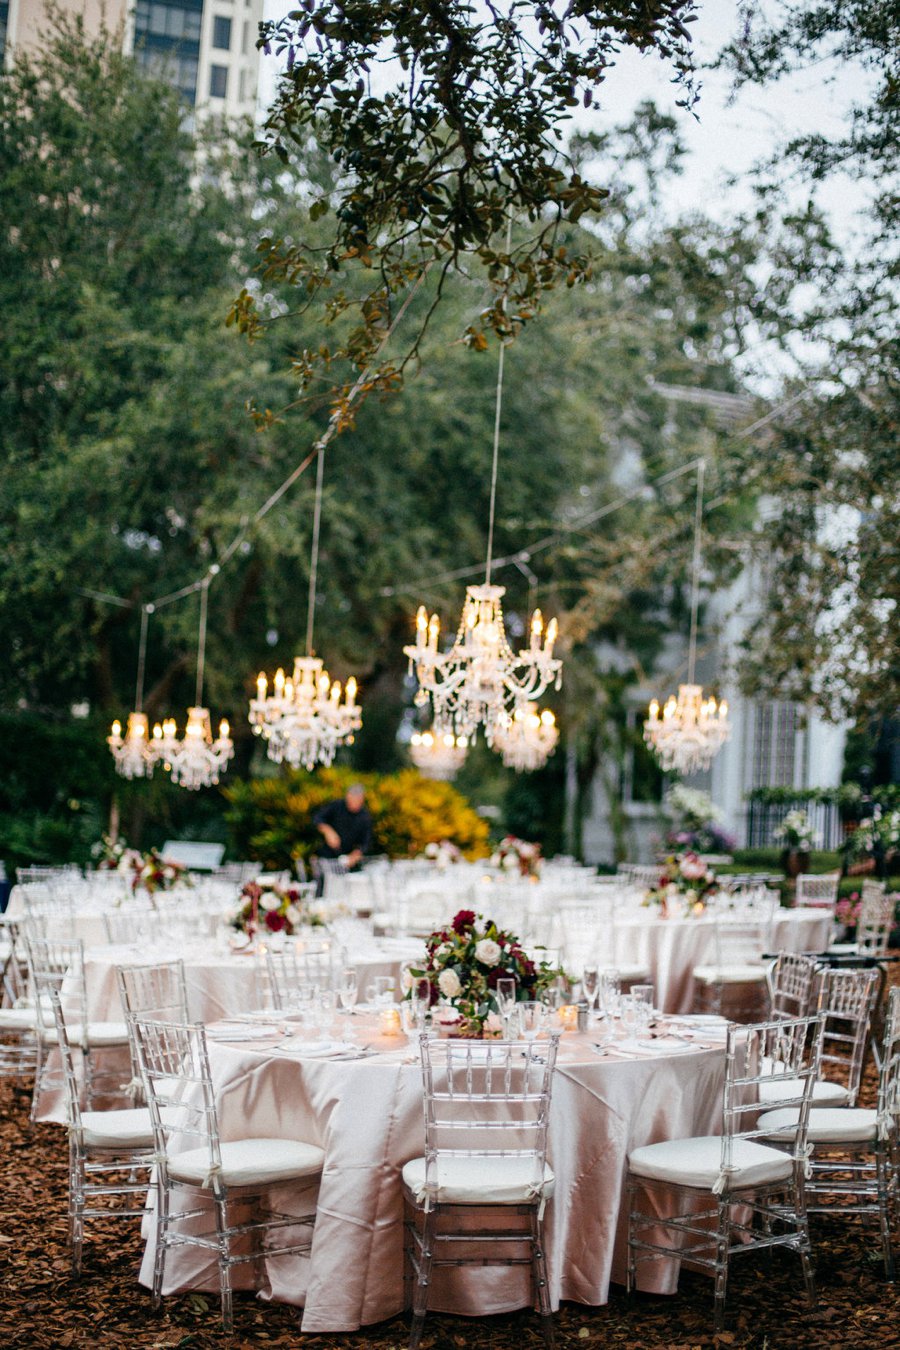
{"points": [[794, 861]]}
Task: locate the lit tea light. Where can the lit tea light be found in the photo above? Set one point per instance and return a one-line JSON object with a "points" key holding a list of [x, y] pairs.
{"points": [[568, 1017], [389, 1022]]}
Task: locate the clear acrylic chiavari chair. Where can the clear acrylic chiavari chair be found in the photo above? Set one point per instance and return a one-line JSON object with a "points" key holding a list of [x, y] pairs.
{"points": [[110, 1152], [299, 969], [720, 1196], [58, 964], [487, 1106], [855, 1151], [792, 979], [196, 1170], [156, 991]]}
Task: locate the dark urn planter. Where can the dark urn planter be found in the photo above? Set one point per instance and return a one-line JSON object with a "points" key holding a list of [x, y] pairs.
{"points": [[794, 861]]}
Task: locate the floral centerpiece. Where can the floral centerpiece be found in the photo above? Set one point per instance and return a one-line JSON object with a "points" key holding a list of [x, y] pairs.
{"points": [[463, 964], [517, 855], [145, 871], [697, 822], [442, 853], [267, 907], [684, 879]]}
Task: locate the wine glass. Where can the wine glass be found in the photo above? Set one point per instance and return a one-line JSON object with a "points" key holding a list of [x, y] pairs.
{"points": [[590, 984], [629, 1018], [532, 1015], [643, 997], [348, 988], [505, 993]]}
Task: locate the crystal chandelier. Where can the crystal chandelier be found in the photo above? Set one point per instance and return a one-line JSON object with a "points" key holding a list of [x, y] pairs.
{"points": [[527, 740], [196, 760], [438, 752], [306, 718], [480, 681], [134, 753], [691, 730]]}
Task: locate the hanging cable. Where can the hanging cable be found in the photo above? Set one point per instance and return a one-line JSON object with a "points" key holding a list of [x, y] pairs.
{"points": [[498, 407], [314, 554], [695, 571]]}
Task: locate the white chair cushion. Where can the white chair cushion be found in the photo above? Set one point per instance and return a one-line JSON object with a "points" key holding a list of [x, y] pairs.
{"points": [[251, 1162], [842, 949], [790, 1089], [632, 974], [127, 1130], [98, 1033], [481, 1180], [17, 1019], [696, 1162], [847, 1125], [738, 974]]}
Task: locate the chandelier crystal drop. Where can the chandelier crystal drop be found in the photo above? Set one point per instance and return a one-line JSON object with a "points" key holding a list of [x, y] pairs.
{"points": [[438, 752], [691, 730], [134, 753], [307, 717], [528, 739]]}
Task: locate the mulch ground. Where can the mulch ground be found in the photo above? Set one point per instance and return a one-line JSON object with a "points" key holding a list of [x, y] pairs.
{"points": [[42, 1308]]}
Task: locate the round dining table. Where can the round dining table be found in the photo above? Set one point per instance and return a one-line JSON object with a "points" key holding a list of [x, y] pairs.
{"points": [[363, 1105]]}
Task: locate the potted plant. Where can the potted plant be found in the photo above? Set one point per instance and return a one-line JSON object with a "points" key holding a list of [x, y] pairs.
{"points": [[797, 836]]}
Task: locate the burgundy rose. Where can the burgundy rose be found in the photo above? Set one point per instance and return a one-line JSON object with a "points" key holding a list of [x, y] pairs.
{"points": [[464, 919], [275, 922]]}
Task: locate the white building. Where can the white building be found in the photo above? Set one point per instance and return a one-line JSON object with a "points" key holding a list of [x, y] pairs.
{"points": [[206, 47]]}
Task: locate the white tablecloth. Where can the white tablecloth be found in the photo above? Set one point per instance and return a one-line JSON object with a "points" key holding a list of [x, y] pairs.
{"points": [[367, 1116]]}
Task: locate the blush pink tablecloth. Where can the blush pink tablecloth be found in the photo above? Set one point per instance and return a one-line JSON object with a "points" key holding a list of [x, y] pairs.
{"points": [[671, 948], [367, 1116]]}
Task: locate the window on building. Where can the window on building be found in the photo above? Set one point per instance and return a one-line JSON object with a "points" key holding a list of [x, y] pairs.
{"points": [[775, 728], [221, 34], [245, 39], [218, 81]]}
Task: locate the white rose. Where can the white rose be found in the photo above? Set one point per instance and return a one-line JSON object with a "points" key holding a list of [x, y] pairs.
{"points": [[487, 951], [493, 1023], [448, 983], [292, 914], [432, 850], [495, 860], [269, 901], [511, 862]]}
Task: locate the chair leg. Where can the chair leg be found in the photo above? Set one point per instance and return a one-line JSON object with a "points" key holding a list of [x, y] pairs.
{"points": [[630, 1252], [162, 1229], [76, 1207], [722, 1237], [539, 1277], [884, 1213], [804, 1246], [221, 1204], [423, 1280]]}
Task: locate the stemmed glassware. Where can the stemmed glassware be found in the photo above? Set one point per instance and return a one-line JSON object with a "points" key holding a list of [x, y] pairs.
{"points": [[348, 992], [505, 993], [532, 1016], [590, 985]]}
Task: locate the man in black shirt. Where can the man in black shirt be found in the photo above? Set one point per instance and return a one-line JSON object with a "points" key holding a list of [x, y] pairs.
{"points": [[345, 826]]}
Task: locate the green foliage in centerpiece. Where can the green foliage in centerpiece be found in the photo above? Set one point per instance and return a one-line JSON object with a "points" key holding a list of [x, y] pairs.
{"points": [[271, 818], [463, 963], [267, 907]]}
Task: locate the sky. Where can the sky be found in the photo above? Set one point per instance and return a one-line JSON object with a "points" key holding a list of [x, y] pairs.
{"points": [[723, 138]]}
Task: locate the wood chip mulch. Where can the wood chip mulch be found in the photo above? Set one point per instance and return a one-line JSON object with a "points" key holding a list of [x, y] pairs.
{"points": [[42, 1308]]}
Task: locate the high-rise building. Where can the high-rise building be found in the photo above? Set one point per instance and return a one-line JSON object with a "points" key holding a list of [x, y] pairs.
{"points": [[206, 47]]}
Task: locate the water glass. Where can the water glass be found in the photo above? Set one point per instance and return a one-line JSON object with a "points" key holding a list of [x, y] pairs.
{"points": [[610, 992], [590, 985], [532, 1015], [505, 994], [643, 997], [384, 989], [348, 988]]}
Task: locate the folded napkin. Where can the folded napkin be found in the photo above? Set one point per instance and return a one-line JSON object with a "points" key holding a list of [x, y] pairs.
{"points": [[242, 1032], [321, 1050]]}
